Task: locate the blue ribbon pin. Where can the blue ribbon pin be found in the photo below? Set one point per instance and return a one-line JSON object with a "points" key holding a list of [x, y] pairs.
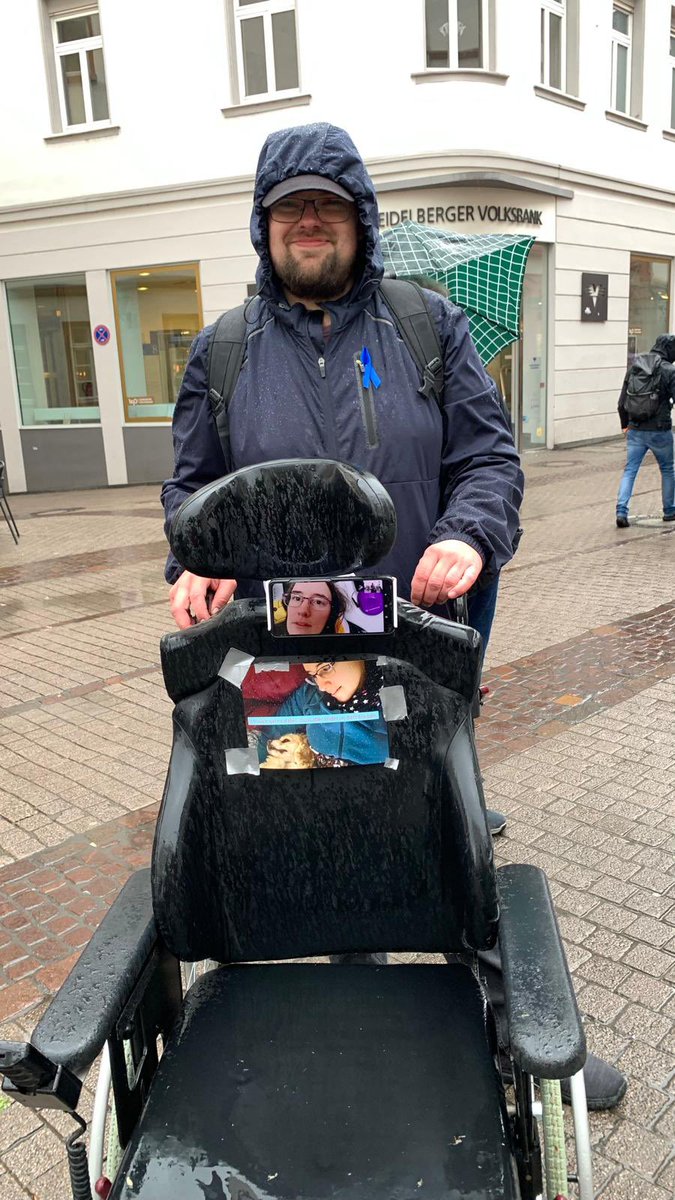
{"points": [[368, 370]]}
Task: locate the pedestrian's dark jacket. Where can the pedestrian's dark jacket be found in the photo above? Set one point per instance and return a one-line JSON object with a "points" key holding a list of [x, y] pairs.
{"points": [[665, 346], [454, 474]]}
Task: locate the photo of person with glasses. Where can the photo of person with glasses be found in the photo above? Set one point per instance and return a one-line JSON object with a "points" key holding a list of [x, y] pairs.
{"points": [[347, 692], [310, 608]]}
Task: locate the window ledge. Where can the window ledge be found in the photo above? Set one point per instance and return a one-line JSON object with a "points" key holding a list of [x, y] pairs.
{"points": [[669, 135], [438, 74], [258, 106], [624, 119], [78, 134], [547, 93]]}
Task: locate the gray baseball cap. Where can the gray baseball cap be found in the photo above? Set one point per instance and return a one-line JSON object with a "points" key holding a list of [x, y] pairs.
{"points": [[305, 183]]}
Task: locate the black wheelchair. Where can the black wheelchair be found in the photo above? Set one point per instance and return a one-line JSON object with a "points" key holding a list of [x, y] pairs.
{"points": [[295, 1080]]}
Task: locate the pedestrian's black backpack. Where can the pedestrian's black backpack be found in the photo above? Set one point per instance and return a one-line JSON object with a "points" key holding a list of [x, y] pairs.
{"points": [[408, 306], [643, 387]]}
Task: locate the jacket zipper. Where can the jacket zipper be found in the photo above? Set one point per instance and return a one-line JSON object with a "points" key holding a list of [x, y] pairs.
{"points": [[367, 406], [331, 429]]}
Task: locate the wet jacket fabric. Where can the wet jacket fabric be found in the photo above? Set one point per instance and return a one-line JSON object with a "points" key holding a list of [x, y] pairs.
{"points": [[665, 346], [454, 474]]}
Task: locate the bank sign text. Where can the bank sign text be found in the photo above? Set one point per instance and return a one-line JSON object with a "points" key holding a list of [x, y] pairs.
{"points": [[455, 213]]}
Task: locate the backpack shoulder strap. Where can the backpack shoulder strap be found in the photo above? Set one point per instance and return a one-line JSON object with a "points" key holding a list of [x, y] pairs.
{"points": [[413, 319], [225, 357]]}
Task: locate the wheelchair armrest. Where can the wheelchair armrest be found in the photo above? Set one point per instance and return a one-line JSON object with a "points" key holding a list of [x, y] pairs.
{"points": [[86, 1008], [545, 1031]]}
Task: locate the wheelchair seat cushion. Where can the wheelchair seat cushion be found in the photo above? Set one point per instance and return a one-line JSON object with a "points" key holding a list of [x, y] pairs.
{"points": [[309, 1081]]}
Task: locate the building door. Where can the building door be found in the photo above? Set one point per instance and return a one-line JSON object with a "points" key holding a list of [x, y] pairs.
{"points": [[520, 369]]}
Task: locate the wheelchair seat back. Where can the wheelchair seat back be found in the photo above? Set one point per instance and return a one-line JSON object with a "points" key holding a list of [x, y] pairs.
{"points": [[295, 863]]}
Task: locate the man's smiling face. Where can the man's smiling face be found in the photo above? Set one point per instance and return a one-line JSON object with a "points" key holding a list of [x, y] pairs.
{"points": [[314, 259]]}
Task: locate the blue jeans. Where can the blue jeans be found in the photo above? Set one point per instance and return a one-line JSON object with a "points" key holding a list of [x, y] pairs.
{"points": [[638, 442], [482, 610]]}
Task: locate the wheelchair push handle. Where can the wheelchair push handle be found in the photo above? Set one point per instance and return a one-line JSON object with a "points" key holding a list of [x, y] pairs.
{"points": [[458, 610]]}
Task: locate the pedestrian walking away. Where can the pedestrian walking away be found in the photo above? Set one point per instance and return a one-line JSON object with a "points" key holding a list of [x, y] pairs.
{"points": [[325, 372], [645, 407]]}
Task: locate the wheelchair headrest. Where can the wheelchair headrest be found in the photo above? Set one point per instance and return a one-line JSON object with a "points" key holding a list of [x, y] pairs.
{"points": [[290, 517]]}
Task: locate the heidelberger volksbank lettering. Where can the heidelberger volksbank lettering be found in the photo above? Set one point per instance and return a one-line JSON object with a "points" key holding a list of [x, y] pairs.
{"points": [[454, 213]]}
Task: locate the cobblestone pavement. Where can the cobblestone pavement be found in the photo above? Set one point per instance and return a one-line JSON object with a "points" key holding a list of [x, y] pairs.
{"points": [[577, 742]]}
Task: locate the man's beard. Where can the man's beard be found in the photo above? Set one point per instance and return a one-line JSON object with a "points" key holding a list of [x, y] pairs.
{"points": [[307, 281]]}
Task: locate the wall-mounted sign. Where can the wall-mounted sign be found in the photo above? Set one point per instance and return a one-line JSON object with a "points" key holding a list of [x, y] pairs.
{"points": [[102, 335], [469, 210], [453, 214], [594, 289]]}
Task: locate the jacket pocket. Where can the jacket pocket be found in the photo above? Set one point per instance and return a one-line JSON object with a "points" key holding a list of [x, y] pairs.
{"points": [[367, 407]]}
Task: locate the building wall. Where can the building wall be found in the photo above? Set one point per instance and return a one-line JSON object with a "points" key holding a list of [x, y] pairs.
{"points": [[362, 65], [136, 196]]}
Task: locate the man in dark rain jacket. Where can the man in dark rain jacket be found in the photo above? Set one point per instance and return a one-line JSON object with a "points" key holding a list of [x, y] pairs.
{"points": [[454, 476]]}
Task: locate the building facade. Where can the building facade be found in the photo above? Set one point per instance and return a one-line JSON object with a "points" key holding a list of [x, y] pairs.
{"points": [[129, 145]]}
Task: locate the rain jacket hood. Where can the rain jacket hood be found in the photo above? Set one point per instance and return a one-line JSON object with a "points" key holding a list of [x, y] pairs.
{"points": [[665, 345], [318, 149]]}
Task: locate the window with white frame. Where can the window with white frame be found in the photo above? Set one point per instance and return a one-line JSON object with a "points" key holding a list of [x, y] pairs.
{"points": [[672, 69], [266, 48], [554, 44], [80, 71], [622, 48], [456, 33]]}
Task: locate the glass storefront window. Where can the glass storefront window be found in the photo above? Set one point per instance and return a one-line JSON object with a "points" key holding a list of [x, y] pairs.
{"points": [[158, 316], [520, 369], [648, 303], [53, 356]]}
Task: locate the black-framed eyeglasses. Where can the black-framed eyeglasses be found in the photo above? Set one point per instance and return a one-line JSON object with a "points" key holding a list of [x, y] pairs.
{"points": [[323, 670], [330, 209]]}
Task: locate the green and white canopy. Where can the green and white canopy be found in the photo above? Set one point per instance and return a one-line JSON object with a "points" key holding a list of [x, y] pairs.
{"points": [[482, 272]]}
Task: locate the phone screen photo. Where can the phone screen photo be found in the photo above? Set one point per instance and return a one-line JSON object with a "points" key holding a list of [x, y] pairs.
{"points": [[349, 604]]}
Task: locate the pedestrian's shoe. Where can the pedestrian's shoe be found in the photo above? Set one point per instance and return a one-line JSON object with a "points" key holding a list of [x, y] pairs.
{"points": [[669, 516], [605, 1086], [374, 960], [623, 522], [496, 822]]}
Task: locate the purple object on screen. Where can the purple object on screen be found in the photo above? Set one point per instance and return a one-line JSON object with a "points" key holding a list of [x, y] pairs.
{"points": [[371, 603]]}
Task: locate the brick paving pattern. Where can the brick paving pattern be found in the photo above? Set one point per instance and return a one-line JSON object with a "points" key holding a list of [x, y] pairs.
{"points": [[577, 742]]}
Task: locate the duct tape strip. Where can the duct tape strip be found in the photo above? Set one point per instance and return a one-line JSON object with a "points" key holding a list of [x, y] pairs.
{"points": [[235, 666], [392, 763], [242, 760], [283, 665], [394, 707]]}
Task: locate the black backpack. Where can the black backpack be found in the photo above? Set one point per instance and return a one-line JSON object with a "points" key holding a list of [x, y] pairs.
{"points": [[643, 387], [410, 312]]}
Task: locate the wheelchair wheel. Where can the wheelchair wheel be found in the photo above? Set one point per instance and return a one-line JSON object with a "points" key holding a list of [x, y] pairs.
{"points": [[104, 1155], [582, 1136], [558, 1176], [553, 1125]]}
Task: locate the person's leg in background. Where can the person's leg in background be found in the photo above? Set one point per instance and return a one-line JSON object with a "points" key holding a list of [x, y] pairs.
{"points": [[661, 446], [636, 448]]}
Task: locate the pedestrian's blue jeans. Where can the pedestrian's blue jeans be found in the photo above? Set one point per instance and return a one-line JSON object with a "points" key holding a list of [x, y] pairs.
{"points": [[638, 442], [482, 606]]}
